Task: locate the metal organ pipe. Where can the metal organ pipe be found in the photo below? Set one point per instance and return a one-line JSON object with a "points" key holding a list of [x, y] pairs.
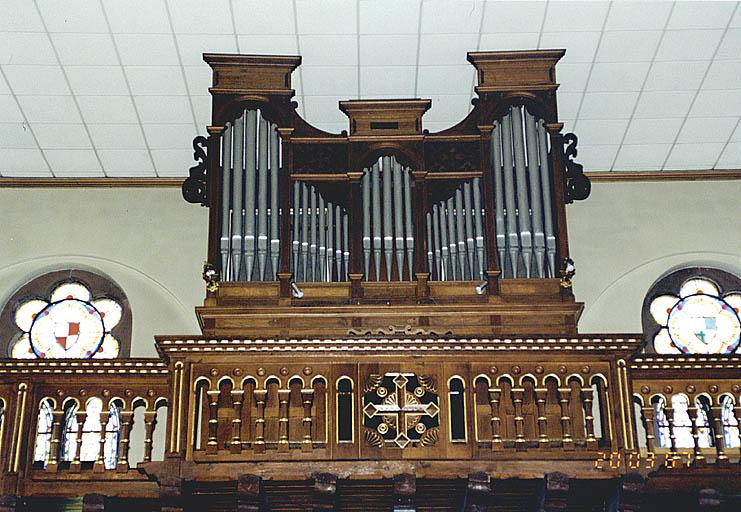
{"points": [[523, 203], [398, 221], [312, 233], [226, 195], [262, 201], [408, 223], [250, 161], [274, 211], [366, 186], [467, 214], [545, 181], [522, 195], [388, 237], [376, 201], [479, 225], [536, 211], [249, 193], [238, 191]]}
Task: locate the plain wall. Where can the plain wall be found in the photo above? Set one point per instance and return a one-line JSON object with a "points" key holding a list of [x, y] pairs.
{"points": [[152, 243], [148, 240]]}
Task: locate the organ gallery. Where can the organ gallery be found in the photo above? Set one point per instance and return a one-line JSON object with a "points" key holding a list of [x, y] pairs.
{"points": [[389, 323]]}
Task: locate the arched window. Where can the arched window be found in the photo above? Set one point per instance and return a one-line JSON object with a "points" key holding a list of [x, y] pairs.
{"points": [[43, 433], [69, 432], [693, 311], [662, 423], [67, 314], [729, 422]]}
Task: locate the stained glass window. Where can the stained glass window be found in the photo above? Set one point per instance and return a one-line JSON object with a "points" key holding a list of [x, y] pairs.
{"points": [[70, 324], [730, 423], [43, 432], [698, 320]]}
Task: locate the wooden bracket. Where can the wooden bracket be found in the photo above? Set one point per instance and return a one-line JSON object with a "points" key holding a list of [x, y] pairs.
{"points": [[248, 493], [93, 503], [325, 492], [478, 492], [405, 489], [555, 493]]}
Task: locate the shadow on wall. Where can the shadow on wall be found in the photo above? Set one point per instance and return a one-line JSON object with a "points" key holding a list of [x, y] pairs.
{"points": [[155, 308], [617, 306]]}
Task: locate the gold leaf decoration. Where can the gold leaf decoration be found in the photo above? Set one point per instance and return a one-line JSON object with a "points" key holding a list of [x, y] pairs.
{"points": [[393, 330], [373, 438], [372, 382], [430, 437], [428, 383]]}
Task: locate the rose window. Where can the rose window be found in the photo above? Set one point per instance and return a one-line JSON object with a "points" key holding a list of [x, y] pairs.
{"points": [[71, 324], [698, 321]]}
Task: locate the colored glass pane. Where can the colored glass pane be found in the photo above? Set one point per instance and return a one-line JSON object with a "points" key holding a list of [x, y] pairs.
{"points": [[661, 306], [72, 290], [69, 328], [698, 286], [704, 324], [25, 314], [22, 348], [110, 311], [663, 343]]}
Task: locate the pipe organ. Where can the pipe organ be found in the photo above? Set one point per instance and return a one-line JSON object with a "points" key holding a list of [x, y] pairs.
{"points": [[250, 162], [387, 213]]}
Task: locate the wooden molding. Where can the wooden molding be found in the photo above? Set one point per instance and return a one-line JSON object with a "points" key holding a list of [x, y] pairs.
{"points": [[705, 175], [90, 182]]}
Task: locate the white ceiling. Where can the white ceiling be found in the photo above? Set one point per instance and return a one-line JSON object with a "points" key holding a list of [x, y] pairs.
{"points": [[118, 87]]}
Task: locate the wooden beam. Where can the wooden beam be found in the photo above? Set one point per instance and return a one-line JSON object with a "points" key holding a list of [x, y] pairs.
{"points": [[248, 493], [630, 176], [630, 493], [91, 182], [478, 492], [325, 492], [93, 503], [554, 493], [405, 489]]}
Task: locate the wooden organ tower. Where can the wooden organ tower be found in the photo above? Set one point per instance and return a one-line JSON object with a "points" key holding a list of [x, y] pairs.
{"points": [[389, 324]]}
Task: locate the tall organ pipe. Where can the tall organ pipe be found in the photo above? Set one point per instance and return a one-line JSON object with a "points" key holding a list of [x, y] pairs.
{"points": [[439, 246], [408, 223], [274, 213], [513, 241], [459, 232], [388, 238], [430, 260], [376, 219], [365, 184], [523, 203], [226, 193], [398, 221], [338, 241], [345, 245], [312, 233], [238, 214], [249, 193], [478, 216], [452, 244], [499, 202], [545, 181], [296, 242], [444, 247], [262, 200], [330, 241], [304, 231], [467, 216], [533, 174], [320, 273]]}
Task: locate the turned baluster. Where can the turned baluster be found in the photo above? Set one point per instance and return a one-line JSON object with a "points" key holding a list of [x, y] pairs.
{"points": [[586, 399], [237, 401], [57, 433], [517, 394], [496, 421], [75, 465], [564, 394], [541, 395], [261, 396], [122, 464], [99, 465], [307, 398], [212, 445], [284, 396], [699, 458], [669, 412], [649, 425], [150, 421], [720, 440]]}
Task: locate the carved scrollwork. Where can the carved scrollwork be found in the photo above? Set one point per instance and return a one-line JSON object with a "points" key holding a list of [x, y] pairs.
{"points": [[568, 270], [578, 185], [195, 185], [452, 156], [428, 383], [393, 330], [211, 276], [372, 382]]}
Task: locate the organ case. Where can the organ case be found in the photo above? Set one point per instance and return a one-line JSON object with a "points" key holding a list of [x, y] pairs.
{"points": [[384, 217]]}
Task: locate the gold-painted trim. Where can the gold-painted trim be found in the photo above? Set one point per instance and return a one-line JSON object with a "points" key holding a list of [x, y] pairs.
{"points": [[179, 418], [450, 413], [629, 406], [20, 411], [2, 421], [633, 176], [31, 182], [621, 390], [609, 416], [337, 411]]}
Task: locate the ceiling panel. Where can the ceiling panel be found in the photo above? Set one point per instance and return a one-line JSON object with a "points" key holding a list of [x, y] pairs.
{"points": [[647, 85]]}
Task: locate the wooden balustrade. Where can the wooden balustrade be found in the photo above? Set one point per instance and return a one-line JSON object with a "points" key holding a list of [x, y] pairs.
{"points": [[683, 409]]}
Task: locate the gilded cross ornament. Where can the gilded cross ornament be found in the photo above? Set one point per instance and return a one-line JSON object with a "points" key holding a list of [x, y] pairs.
{"points": [[400, 409]]}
